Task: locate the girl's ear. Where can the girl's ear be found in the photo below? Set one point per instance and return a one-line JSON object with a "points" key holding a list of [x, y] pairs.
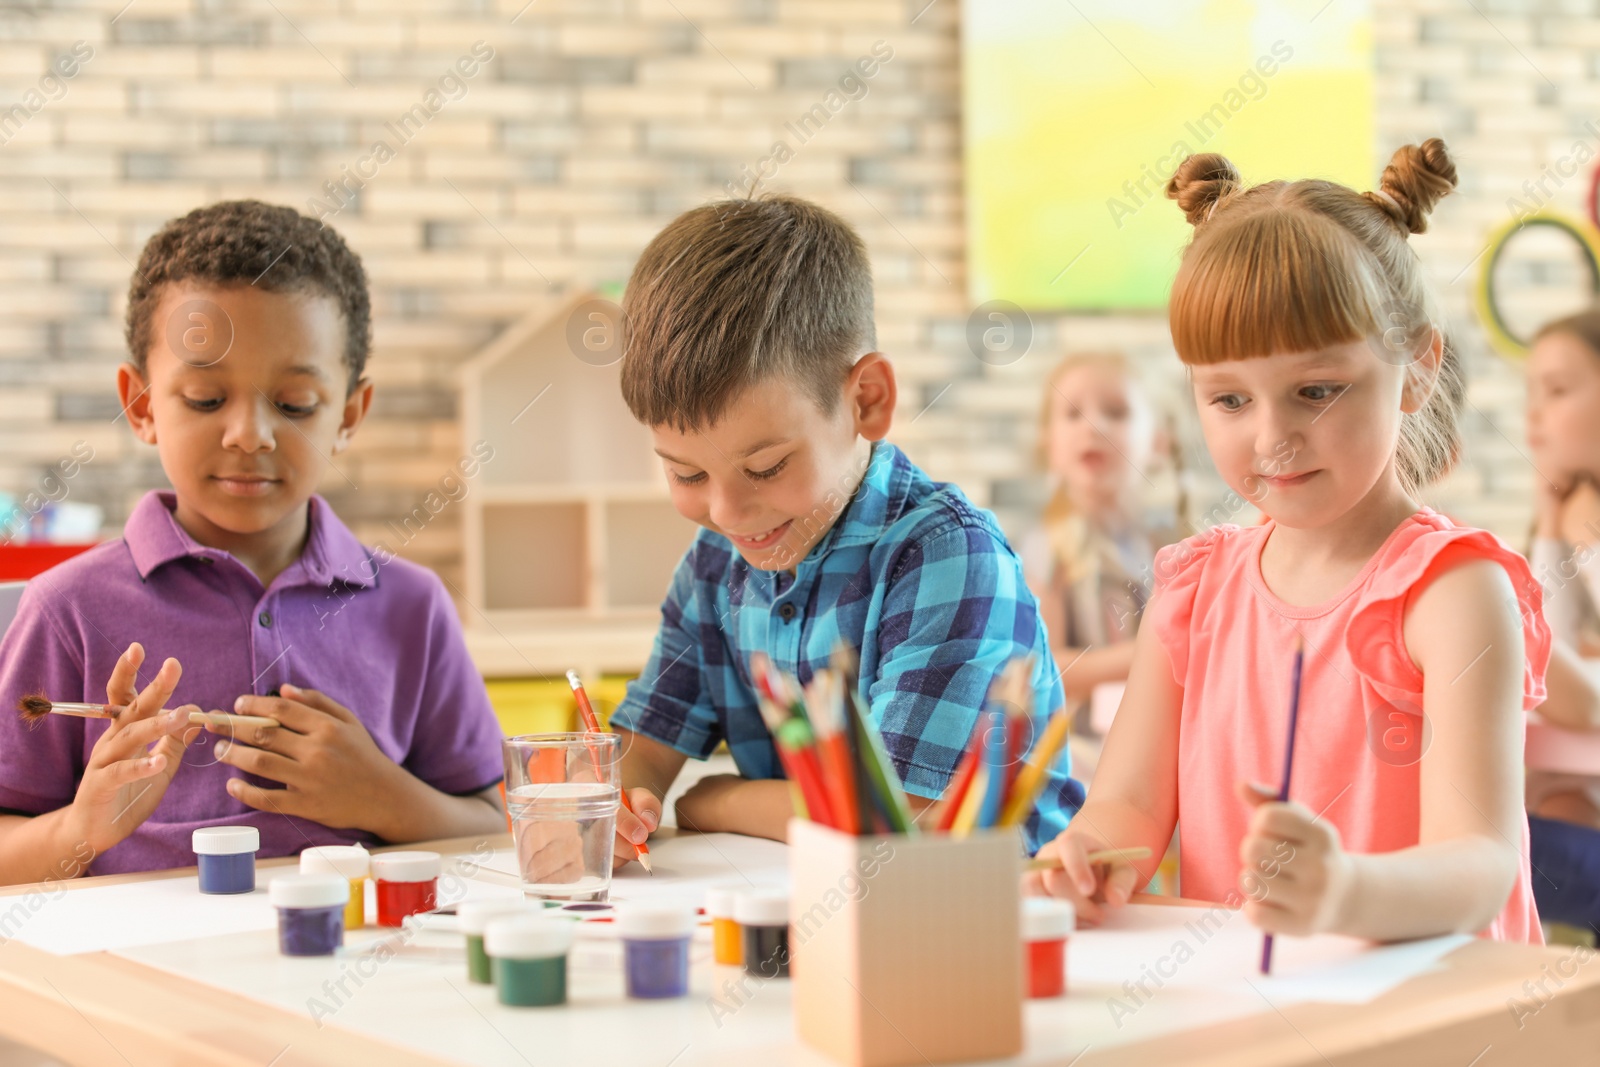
{"points": [[133, 392], [871, 393], [356, 406], [1421, 373]]}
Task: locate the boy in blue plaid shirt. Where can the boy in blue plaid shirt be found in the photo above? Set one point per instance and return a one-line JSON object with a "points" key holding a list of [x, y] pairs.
{"points": [[751, 357]]}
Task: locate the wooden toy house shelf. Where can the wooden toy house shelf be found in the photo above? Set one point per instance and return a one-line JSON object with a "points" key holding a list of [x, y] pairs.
{"points": [[570, 536]]}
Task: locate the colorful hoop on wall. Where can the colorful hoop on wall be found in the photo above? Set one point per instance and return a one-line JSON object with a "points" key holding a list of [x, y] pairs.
{"points": [[1588, 241]]}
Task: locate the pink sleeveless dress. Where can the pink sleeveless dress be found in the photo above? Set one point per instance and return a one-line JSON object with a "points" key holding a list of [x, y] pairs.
{"points": [[1361, 735]]}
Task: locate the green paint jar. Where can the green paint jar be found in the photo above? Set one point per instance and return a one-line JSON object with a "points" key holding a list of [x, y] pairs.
{"points": [[529, 954], [474, 916]]}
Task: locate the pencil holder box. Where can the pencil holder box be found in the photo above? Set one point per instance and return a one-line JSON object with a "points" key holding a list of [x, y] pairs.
{"points": [[906, 950]]}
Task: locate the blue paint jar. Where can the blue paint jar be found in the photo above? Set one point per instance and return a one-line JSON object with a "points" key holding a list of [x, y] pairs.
{"points": [[310, 912], [227, 858], [655, 949]]}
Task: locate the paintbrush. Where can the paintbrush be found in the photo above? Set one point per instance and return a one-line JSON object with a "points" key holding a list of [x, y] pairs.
{"points": [[35, 707], [1103, 855]]}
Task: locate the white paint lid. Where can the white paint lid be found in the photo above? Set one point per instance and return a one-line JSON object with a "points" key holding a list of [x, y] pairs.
{"points": [[655, 922], [347, 861], [406, 866], [1047, 918], [225, 840], [309, 891], [528, 937], [473, 916], [720, 898], [762, 907]]}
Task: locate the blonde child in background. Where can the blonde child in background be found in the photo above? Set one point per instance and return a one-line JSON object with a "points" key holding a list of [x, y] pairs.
{"points": [[1327, 397], [1564, 434], [1089, 560]]}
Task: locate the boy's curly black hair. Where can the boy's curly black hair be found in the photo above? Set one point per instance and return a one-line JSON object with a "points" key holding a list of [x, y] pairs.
{"points": [[247, 242]]}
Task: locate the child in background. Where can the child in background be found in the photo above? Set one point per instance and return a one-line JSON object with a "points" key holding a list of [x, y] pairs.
{"points": [[1089, 561], [248, 332], [1327, 397], [752, 358], [1564, 434]]}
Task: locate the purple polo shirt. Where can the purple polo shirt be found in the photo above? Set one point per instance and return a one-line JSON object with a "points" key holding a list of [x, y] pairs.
{"points": [[376, 633]]}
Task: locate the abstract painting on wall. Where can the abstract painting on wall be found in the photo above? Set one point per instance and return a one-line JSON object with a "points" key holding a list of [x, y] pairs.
{"points": [[1076, 114]]}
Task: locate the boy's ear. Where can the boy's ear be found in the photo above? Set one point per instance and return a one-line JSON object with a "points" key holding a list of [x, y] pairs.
{"points": [[356, 406], [133, 392], [871, 393]]}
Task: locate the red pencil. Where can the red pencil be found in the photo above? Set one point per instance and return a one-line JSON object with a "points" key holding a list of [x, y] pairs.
{"points": [[591, 724], [956, 792], [827, 721]]}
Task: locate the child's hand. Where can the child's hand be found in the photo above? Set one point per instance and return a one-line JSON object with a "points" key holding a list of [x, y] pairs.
{"points": [[133, 762], [1093, 888], [635, 826], [1295, 874], [333, 772]]}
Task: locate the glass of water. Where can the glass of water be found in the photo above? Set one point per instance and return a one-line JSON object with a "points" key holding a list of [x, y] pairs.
{"points": [[562, 792]]}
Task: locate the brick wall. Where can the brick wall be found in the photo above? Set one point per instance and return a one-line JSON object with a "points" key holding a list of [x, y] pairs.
{"points": [[594, 124]]}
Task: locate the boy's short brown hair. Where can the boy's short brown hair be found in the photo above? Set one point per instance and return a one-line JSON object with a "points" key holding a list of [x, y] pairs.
{"points": [[734, 292]]}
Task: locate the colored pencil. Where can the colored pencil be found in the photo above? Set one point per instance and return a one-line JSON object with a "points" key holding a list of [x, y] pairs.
{"points": [[994, 764], [960, 782], [1288, 767], [1031, 779], [591, 724], [827, 721]]}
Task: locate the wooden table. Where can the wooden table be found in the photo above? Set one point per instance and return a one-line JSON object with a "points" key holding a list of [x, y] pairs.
{"points": [[98, 1008]]}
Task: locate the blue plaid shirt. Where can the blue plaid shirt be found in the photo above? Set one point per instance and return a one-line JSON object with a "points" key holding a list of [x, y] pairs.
{"points": [[912, 575]]}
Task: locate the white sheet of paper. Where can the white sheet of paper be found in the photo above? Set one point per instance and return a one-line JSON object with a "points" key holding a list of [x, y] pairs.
{"points": [[168, 909]]}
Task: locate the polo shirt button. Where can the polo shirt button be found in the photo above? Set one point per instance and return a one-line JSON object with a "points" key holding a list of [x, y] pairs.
{"points": [[787, 611], [265, 618]]}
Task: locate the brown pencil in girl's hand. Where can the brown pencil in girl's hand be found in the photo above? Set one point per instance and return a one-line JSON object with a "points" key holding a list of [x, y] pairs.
{"points": [[35, 707]]}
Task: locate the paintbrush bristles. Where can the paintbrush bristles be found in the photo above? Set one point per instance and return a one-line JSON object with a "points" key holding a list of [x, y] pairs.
{"points": [[34, 707]]}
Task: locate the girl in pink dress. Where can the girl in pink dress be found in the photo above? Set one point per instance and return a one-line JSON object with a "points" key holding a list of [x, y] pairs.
{"points": [[1328, 400]]}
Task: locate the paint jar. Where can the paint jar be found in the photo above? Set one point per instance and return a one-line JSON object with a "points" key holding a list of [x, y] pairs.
{"points": [[655, 949], [227, 858], [530, 958], [310, 912], [763, 916], [1046, 924], [726, 944], [349, 862], [407, 883], [474, 917]]}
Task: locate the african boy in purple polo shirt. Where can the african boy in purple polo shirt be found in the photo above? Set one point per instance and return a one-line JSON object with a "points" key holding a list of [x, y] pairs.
{"points": [[248, 327]]}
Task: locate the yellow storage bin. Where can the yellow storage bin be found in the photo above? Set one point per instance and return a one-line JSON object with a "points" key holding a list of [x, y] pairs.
{"points": [[546, 706]]}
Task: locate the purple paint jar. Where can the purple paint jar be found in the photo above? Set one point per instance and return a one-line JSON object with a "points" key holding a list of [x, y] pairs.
{"points": [[310, 912], [655, 949], [227, 858]]}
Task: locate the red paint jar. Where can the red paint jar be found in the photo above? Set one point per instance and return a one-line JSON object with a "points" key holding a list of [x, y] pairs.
{"points": [[1047, 923], [406, 883]]}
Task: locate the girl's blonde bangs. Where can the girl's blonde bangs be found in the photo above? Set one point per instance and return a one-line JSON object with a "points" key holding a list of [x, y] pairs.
{"points": [[1260, 282]]}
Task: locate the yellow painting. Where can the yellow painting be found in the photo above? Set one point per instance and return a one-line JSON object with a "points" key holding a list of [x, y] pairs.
{"points": [[1076, 112]]}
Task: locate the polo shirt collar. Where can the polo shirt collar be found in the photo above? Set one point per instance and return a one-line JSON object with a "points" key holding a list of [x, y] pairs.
{"points": [[332, 553]]}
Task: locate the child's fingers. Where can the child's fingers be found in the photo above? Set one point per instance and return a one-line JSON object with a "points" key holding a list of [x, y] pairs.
{"points": [[280, 801], [647, 806], [1120, 882], [121, 687], [114, 776], [1254, 793], [257, 762], [631, 830], [152, 699], [321, 701], [131, 739]]}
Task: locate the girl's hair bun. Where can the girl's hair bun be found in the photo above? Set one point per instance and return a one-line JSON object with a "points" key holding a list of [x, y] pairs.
{"points": [[1416, 179], [1202, 182]]}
